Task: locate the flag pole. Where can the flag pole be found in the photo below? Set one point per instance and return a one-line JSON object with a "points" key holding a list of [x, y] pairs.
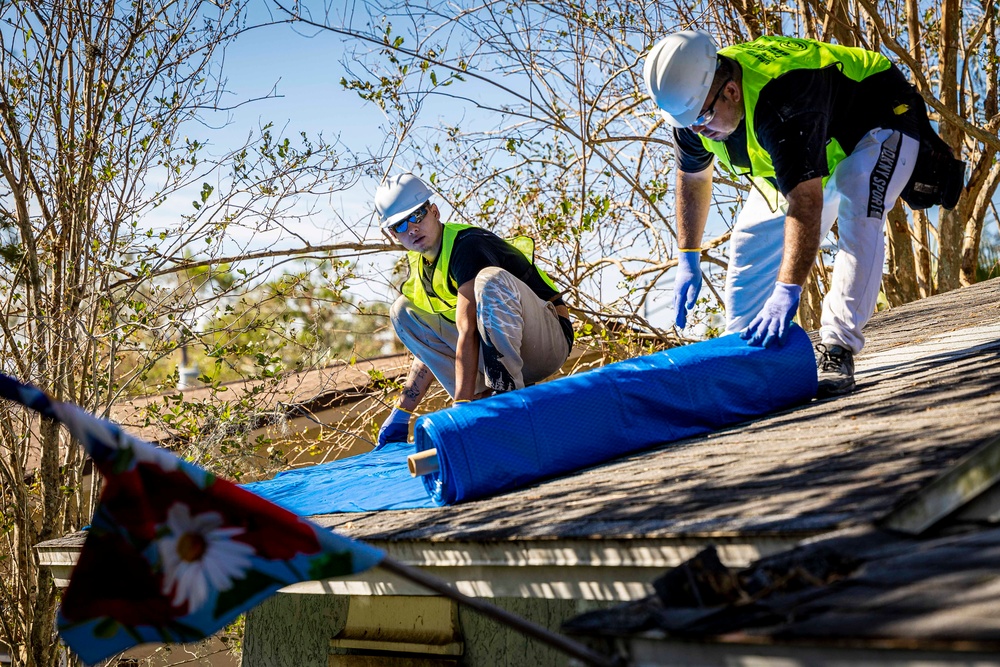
{"points": [[544, 635]]}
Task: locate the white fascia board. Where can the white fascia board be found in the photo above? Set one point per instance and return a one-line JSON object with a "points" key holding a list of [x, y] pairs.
{"points": [[620, 570], [609, 570]]}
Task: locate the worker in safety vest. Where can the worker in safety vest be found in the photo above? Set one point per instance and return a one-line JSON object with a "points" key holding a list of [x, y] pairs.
{"points": [[824, 133], [476, 313]]}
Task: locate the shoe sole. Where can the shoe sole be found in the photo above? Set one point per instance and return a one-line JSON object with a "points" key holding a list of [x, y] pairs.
{"points": [[831, 389]]}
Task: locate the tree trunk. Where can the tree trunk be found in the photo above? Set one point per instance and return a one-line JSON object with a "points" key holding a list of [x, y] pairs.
{"points": [[913, 28], [898, 283], [923, 271], [811, 302], [41, 640], [951, 227], [985, 174]]}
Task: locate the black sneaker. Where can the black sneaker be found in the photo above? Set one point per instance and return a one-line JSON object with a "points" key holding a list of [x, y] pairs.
{"points": [[835, 368]]}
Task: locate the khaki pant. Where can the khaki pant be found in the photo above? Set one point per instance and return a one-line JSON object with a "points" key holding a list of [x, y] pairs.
{"points": [[521, 340]]}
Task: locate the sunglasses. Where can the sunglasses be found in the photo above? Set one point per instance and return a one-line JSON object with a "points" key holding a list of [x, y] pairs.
{"points": [[708, 114], [412, 219]]}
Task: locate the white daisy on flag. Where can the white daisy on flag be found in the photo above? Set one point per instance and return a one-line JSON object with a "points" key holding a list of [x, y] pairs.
{"points": [[199, 556]]}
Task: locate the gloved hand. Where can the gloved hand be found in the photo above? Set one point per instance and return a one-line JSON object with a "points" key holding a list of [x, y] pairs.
{"points": [[395, 428], [687, 285], [773, 322]]}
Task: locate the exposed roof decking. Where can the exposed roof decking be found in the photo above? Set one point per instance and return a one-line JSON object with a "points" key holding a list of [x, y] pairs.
{"points": [[821, 603]]}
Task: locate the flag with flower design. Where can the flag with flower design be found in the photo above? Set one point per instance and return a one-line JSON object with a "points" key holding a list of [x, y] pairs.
{"points": [[173, 553]]}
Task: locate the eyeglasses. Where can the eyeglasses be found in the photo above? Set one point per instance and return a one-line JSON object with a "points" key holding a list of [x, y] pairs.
{"points": [[709, 113], [412, 219]]}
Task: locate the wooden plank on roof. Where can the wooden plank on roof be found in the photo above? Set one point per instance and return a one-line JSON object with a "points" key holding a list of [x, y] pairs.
{"points": [[955, 487]]}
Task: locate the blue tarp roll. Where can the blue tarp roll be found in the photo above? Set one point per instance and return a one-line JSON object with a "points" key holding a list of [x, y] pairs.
{"points": [[515, 439]]}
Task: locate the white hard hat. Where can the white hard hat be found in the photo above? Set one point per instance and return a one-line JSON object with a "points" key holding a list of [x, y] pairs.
{"points": [[399, 196], [678, 72]]}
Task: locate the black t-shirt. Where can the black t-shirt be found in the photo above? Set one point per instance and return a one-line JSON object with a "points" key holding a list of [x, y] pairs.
{"points": [[799, 112], [476, 249]]}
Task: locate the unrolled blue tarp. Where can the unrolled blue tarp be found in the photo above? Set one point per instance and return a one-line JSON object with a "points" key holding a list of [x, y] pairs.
{"points": [[509, 441], [377, 480]]}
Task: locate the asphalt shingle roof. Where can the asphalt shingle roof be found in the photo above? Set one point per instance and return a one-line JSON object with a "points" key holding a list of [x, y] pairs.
{"points": [[928, 383]]}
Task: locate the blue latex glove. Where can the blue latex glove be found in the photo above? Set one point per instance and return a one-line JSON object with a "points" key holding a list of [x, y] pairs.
{"points": [[774, 321], [395, 428], [687, 285]]}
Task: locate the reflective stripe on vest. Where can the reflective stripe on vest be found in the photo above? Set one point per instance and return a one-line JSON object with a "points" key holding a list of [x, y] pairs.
{"points": [[767, 58], [445, 296]]}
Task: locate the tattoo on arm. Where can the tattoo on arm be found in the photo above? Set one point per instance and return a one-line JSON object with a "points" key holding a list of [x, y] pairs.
{"points": [[417, 381], [412, 390]]}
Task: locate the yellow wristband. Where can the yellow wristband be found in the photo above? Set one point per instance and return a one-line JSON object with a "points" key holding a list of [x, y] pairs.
{"points": [[689, 250], [402, 409], [461, 400]]}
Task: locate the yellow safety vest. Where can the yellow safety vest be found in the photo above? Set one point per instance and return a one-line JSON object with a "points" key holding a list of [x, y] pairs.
{"points": [[767, 58], [445, 297]]}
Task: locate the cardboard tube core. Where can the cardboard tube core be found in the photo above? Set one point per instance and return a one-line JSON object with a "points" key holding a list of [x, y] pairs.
{"points": [[423, 463]]}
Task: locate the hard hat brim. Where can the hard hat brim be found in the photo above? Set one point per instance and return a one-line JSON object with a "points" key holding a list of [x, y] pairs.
{"points": [[397, 217], [680, 120]]}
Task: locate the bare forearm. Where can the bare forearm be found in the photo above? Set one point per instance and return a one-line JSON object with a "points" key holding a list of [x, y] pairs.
{"points": [[802, 232], [467, 352], [466, 365], [801, 245], [415, 386], [694, 197]]}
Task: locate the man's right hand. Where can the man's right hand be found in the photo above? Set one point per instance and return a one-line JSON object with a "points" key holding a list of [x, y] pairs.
{"points": [[687, 285], [395, 428]]}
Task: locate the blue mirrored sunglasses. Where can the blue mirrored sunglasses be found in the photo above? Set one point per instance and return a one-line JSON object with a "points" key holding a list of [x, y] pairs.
{"points": [[412, 219]]}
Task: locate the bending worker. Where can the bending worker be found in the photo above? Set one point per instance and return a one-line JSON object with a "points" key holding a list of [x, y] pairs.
{"points": [[476, 313], [824, 133]]}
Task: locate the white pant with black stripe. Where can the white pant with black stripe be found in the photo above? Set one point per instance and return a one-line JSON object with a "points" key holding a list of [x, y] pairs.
{"points": [[860, 193]]}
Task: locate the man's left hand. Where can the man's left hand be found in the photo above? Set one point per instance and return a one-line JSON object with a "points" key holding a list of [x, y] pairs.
{"points": [[396, 428], [774, 321]]}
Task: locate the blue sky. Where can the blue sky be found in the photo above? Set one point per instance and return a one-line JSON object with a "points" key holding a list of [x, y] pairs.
{"points": [[305, 74], [302, 73], [305, 69]]}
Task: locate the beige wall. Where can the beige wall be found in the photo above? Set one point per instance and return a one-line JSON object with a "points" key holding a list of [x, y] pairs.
{"points": [[290, 630]]}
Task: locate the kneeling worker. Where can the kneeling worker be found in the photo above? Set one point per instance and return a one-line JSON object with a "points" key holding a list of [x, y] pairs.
{"points": [[476, 313]]}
